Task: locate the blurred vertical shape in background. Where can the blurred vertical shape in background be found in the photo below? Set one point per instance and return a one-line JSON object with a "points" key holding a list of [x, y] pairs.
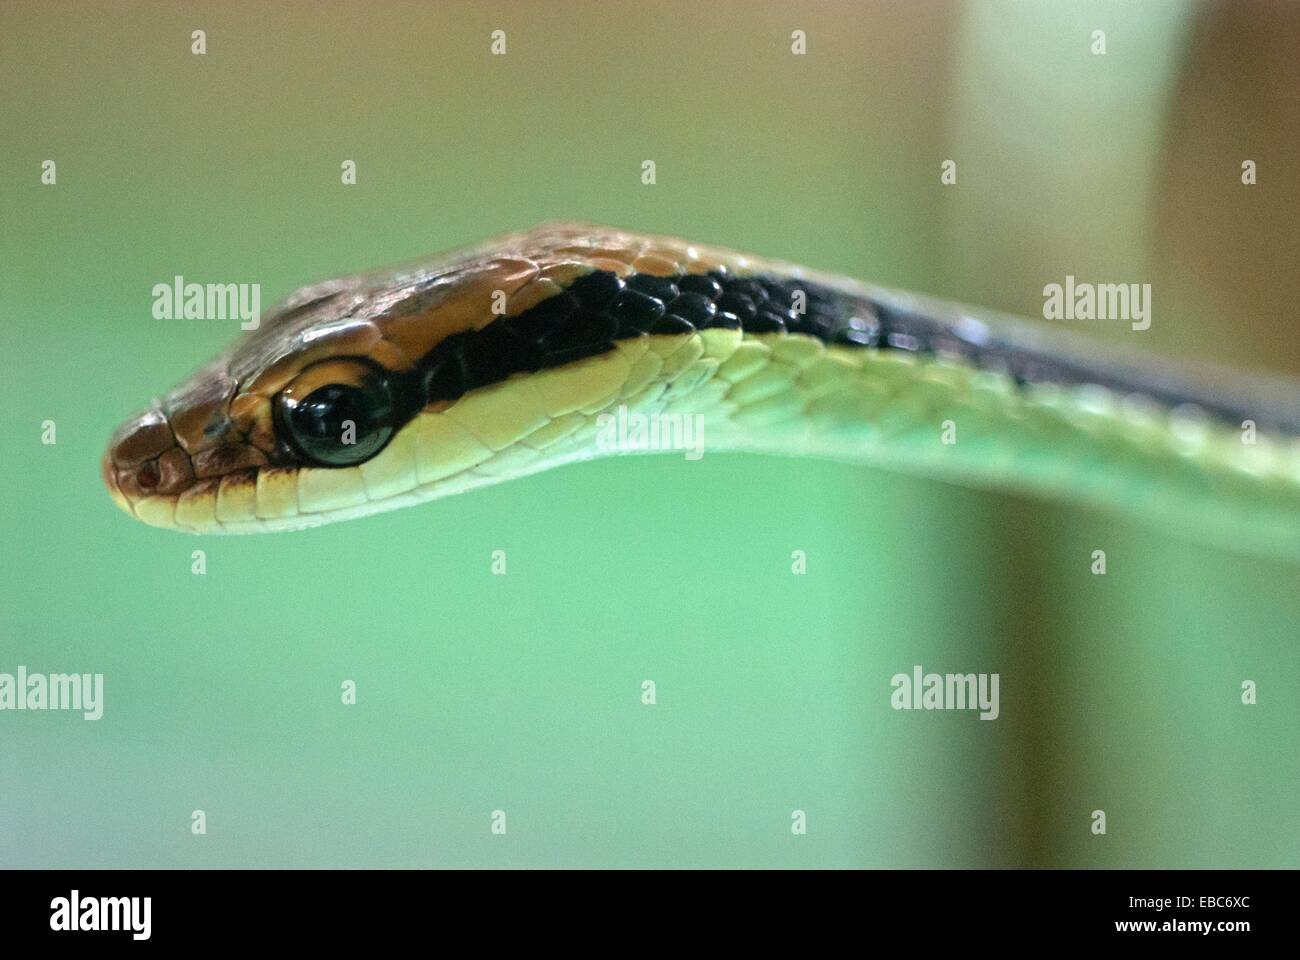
{"points": [[1228, 254], [1057, 145]]}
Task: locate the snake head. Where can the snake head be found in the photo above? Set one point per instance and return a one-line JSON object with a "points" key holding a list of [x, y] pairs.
{"points": [[338, 404], [214, 439]]}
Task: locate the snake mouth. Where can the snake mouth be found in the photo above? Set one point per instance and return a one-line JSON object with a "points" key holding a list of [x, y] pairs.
{"points": [[108, 472], [151, 467]]}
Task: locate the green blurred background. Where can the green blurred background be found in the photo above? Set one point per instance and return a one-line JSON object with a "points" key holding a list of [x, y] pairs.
{"points": [[522, 692]]}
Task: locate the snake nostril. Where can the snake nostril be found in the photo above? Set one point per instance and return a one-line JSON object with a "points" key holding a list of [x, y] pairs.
{"points": [[149, 475]]}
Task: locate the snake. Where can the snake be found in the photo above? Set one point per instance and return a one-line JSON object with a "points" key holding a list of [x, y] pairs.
{"points": [[387, 389]]}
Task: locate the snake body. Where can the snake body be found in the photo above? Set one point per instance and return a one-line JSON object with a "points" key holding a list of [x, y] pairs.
{"points": [[383, 390]]}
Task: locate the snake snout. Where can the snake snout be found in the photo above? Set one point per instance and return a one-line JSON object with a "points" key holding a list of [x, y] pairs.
{"points": [[144, 460]]}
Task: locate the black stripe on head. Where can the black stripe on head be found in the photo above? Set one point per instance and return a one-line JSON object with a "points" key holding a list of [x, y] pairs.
{"points": [[600, 308]]}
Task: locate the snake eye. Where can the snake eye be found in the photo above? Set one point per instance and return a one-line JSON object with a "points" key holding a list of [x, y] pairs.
{"points": [[338, 412]]}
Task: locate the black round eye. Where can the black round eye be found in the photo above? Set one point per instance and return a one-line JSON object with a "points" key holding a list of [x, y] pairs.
{"points": [[338, 424]]}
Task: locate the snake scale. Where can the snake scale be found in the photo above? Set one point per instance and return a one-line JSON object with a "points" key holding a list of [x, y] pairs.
{"points": [[383, 390]]}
